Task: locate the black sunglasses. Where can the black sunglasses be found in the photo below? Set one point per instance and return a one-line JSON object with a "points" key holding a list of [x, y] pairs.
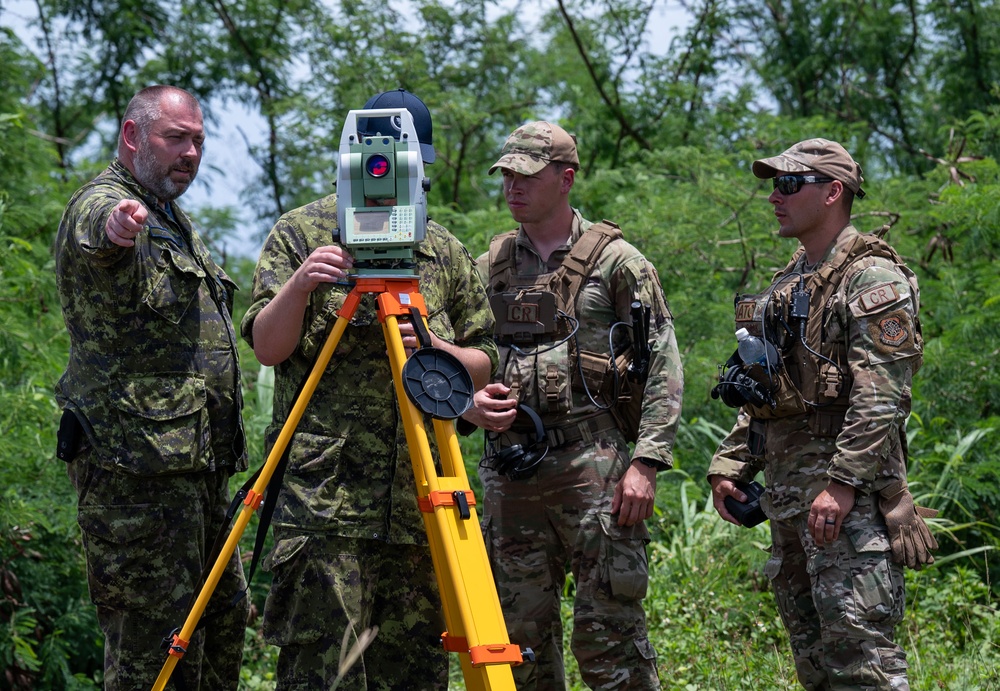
{"points": [[790, 184]]}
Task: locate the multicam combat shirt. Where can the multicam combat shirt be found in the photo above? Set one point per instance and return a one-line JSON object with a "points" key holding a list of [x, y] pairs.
{"points": [[620, 275], [349, 470], [153, 370], [872, 319]]}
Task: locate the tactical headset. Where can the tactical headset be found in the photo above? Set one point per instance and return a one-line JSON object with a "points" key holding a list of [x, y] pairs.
{"points": [[518, 462]]}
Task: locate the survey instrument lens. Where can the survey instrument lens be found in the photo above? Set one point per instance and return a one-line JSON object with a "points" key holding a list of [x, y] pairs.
{"points": [[377, 166]]}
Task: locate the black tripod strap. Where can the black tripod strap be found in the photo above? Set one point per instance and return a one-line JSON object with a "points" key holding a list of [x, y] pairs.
{"points": [[220, 538], [266, 511], [419, 328]]}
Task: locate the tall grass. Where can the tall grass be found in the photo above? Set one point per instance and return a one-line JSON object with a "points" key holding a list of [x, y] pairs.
{"points": [[713, 620]]}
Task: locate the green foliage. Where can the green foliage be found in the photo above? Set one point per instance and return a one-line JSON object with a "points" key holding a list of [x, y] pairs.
{"points": [[37, 522], [952, 630]]}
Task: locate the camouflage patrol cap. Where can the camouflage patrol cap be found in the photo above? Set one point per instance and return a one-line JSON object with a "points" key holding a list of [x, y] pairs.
{"points": [[814, 155], [531, 147]]}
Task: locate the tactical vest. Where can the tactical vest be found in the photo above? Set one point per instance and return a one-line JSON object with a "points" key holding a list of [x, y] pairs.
{"points": [[564, 284], [808, 382], [566, 281]]}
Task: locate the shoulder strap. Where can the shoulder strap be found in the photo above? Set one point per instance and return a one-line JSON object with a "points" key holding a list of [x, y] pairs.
{"points": [[501, 260], [864, 245], [833, 272], [567, 281], [845, 264], [569, 278]]}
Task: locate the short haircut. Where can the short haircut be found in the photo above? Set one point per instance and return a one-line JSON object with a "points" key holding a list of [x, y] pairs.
{"points": [[145, 108], [560, 166]]}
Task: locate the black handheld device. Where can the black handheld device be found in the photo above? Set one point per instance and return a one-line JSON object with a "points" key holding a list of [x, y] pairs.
{"points": [[748, 512]]}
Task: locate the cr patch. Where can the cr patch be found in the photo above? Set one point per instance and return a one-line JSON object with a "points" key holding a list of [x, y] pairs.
{"points": [[877, 297]]}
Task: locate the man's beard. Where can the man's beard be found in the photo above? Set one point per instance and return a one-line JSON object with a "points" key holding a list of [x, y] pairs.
{"points": [[156, 179]]}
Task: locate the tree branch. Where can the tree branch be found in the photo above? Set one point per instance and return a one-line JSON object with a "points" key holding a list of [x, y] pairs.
{"points": [[612, 105]]}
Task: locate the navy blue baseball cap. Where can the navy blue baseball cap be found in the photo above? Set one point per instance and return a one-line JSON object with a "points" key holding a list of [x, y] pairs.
{"points": [[400, 98]]}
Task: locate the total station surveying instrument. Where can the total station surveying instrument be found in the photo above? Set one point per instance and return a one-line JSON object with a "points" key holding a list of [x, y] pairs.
{"points": [[382, 215]]}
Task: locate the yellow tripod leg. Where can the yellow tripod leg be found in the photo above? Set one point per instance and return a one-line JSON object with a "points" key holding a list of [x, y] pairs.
{"points": [[180, 640], [476, 629]]}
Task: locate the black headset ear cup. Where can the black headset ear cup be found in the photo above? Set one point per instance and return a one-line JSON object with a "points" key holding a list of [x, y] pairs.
{"points": [[518, 461]]}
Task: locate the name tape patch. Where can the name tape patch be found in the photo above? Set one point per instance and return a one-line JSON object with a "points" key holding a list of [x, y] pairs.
{"points": [[877, 297], [745, 311]]}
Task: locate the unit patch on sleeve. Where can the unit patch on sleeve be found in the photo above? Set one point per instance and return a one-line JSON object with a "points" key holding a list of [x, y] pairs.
{"points": [[877, 297], [891, 331]]}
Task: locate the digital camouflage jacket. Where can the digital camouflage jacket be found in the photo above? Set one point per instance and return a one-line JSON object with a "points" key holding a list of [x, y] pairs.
{"points": [[349, 471], [153, 372]]}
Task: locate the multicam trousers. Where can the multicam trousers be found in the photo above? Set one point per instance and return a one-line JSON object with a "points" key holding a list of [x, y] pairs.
{"points": [[147, 541], [840, 602], [537, 527]]}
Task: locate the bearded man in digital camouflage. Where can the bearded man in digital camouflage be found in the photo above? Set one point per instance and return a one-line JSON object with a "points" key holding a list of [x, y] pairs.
{"points": [[350, 549], [843, 316], [582, 506], [152, 396]]}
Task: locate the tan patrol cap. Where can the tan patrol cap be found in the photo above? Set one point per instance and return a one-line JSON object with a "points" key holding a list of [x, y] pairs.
{"points": [[531, 147], [819, 155]]}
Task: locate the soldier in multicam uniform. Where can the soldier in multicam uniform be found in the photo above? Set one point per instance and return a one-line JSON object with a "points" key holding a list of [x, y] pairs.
{"points": [[350, 550], [584, 502], [152, 393], [843, 315]]}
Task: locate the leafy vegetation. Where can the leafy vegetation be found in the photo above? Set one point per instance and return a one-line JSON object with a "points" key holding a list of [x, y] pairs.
{"points": [[667, 125]]}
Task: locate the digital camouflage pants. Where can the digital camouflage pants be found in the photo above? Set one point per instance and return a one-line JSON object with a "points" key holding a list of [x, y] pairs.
{"points": [[560, 518], [840, 602], [329, 591], [147, 541]]}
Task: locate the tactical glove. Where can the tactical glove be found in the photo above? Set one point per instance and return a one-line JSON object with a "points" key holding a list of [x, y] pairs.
{"points": [[911, 541]]}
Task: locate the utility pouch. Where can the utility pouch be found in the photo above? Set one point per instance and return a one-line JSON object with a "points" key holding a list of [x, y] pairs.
{"points": [[622, 392], [787, 400], [598, 376], [68, 437]]}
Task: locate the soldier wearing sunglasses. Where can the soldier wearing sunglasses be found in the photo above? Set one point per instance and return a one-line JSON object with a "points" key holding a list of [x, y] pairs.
{"points": [[843, 316]]}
